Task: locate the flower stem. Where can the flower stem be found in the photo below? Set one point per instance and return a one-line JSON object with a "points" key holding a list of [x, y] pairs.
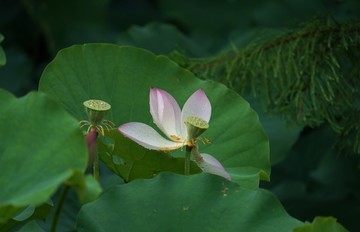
{"points": [[96, 167], [187, 160], [59, 207]]}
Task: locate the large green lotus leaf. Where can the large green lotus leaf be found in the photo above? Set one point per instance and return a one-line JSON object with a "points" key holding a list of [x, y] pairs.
{"points": [[123, 77], [173, 202], [321, 224], [41, 147]]}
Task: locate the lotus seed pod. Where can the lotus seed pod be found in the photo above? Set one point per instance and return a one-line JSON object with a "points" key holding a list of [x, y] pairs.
{"points": [[96, 110], [195, 127]]}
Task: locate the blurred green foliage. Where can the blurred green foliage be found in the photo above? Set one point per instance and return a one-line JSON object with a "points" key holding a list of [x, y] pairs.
{"points": [[309, 177]]}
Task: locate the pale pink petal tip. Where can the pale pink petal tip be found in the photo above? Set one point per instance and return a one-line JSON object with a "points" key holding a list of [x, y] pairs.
{"points": [[211, 165], [197, 105], [147, 137]]}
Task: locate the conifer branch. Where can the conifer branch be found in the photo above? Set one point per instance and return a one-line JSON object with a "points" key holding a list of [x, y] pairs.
{"points": [[310, 75]]}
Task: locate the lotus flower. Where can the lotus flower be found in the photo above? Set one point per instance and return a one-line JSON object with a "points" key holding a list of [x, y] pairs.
{"points": [[171, 120]]}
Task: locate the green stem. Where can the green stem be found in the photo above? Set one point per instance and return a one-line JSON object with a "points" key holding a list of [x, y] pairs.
{"points": [[96, 167], [187, 160], [59, 207]]}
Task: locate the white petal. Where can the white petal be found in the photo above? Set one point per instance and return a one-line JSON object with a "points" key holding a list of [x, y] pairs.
{"points": [[197, 105], [211, 165], [147, 137], [166, 113]]}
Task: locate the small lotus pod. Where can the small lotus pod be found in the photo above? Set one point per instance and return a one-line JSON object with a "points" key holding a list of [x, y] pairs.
{"points": [[195, 127], [96, 110]]}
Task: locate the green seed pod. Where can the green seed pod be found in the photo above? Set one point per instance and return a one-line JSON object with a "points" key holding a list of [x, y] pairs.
{"points": [[195, 127], [96, 110]]}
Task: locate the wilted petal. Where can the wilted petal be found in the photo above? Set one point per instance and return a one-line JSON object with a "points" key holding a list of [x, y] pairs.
{"points": [[166, 113], [147, 137], [211, 165], [197, 105]]}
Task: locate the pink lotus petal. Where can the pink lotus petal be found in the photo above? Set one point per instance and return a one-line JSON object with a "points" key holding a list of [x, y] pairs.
{"points": [[166, 113], [211, 165], [147, 137], [197, 105]]}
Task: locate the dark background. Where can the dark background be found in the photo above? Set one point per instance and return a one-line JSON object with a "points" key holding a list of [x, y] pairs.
{"points": [[308, 175]]}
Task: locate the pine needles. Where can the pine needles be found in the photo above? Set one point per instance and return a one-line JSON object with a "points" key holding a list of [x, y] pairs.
{"points": [[310, 75]]}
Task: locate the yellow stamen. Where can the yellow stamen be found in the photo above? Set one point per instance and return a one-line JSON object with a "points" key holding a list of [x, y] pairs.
{"points": [[175, 138]]}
